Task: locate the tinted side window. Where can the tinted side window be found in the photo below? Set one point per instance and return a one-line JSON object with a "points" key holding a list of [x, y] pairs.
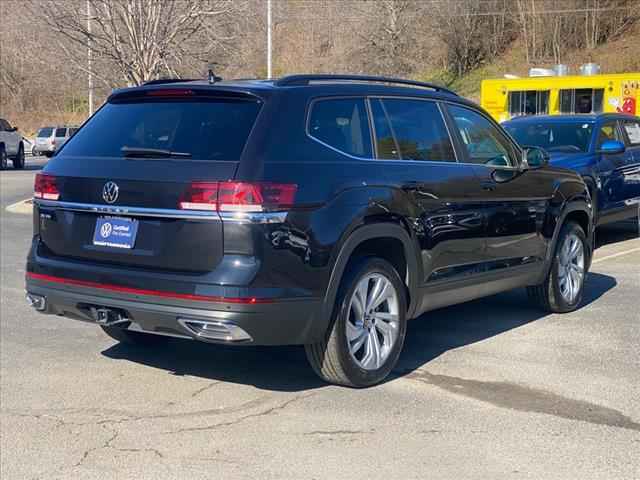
{"points": [[4, 125], [484, 142], [419, 130], [632, 128], [608, 131], [61, 132], [342, 123]]}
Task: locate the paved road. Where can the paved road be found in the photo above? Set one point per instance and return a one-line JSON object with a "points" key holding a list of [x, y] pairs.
{"points": [[491, 389]]}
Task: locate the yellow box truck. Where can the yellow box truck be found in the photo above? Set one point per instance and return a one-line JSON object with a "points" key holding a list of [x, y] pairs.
{"points": [[505, 98]]}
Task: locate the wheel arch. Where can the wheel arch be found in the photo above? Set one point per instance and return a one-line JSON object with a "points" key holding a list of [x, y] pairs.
{"points": [[377, 239], [580, 212]]}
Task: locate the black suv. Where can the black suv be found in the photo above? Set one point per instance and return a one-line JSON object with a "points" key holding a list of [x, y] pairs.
{"points": [[320, 210]]}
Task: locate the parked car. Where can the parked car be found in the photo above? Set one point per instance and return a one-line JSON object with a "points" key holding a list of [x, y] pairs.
{"points": [[45, 141], [50, 139], [320, 210], [604, 149], [11, 146]]}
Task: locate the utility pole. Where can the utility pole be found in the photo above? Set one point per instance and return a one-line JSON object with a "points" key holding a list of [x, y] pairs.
{"points": [[269, 70], [89, 58]]}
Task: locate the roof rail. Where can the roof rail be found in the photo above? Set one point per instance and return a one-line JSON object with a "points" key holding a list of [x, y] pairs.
{"points": [[168, 80], [299, 80]]}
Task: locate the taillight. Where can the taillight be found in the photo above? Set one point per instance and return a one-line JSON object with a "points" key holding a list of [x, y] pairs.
{"points": [[238, 196], [46, 187], [255, 197], [200, 196]]}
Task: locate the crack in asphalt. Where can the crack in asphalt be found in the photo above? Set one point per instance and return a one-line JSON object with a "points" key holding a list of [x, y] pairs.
{"points": [[109, 444], [339, 432], [89, 451], [526, 399], [130, 417], [215, 426]]}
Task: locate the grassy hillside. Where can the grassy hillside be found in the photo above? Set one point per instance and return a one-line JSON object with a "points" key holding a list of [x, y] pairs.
{"points": [[616, 56]]}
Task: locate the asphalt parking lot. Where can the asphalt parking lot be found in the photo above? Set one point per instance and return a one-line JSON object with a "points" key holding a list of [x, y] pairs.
{"points": [[492, 389]]}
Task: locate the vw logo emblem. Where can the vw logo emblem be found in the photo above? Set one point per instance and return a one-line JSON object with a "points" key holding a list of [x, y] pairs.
{"points": [[110, 192], [105, 230]]}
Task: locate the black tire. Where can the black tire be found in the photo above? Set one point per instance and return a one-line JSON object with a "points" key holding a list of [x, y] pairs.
{"points": [[4, 159], [129, 337], [548, 295], [330, 358], [34, 151], [18, 162]]}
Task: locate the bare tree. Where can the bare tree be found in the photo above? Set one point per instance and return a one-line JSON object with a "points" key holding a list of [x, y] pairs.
{"points": [[469, 34], [390, 37], [145, 38], [551, 28]]}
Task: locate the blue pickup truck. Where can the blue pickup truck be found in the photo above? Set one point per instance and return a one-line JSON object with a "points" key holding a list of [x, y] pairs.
{"points": [[603, 148]]}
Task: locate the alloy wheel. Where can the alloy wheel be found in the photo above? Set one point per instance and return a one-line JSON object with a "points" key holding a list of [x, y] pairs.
{"points": [[571, 267], [372, 326]]}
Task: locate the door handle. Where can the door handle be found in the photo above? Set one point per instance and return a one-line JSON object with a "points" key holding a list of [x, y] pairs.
{"points": [[488, 185]]}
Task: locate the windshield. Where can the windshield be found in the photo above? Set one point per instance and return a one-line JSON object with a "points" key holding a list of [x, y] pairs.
{"points": [[566, 137], [45, 132], [207, 129]]}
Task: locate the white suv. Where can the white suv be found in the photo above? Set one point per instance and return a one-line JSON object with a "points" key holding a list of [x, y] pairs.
{"points": [[11, 146]]}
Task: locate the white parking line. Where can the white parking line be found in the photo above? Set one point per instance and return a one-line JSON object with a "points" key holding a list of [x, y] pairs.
{"points": [[23, 206], [615, 255]]}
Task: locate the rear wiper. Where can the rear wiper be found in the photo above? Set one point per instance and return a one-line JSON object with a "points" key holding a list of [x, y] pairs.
{"points": [[135, 152]]}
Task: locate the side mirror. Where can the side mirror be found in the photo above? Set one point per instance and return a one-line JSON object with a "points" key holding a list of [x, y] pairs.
{"points": [[534, 157], [611, 147], [13, 129]]}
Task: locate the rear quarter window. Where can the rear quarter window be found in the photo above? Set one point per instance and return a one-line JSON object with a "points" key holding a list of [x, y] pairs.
{"points": [[342, 124], [206, 129]]}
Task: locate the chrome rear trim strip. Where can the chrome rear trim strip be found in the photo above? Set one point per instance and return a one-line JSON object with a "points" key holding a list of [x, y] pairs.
{"points": [[254, 217], [127, 211], [241, 217]]}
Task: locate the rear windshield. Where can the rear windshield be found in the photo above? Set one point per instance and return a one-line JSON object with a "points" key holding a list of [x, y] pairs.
{"points": [[45, 132], [209, 129], [61, 132]]}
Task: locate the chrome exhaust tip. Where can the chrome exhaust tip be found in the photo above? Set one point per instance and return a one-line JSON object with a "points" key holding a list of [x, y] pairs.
{"points": [[107, 316], [218, 331], [36, 301]]}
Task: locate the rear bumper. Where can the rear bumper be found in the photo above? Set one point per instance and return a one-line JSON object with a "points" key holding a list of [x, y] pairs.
{"points": [[285, 322]]}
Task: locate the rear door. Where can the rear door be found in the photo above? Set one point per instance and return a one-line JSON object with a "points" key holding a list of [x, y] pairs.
{"points": [[412, 136], [115, 167], [514, 202], [631, 130]]}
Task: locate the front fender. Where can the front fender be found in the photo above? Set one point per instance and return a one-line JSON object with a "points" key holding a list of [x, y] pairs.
{"points": [[570, 195]]}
